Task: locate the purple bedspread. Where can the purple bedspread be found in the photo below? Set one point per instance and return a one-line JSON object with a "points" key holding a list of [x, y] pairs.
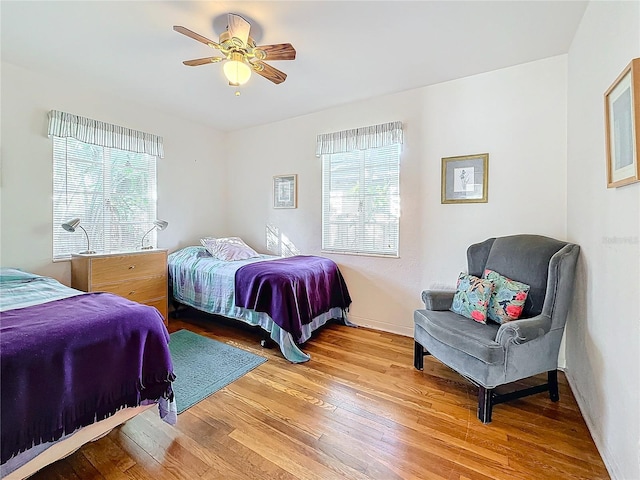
{"points": [[66, 362], [292, 291]]}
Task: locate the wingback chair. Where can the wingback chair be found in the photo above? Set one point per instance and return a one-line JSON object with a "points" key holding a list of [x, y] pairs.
{"points": [[492, 354]]}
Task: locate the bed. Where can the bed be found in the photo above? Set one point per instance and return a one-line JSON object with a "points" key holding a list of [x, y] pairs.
{"points": [[73, 366], [289, 298]]}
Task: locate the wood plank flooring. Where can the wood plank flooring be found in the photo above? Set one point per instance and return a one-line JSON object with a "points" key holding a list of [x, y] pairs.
{"points": [[357, 410]]}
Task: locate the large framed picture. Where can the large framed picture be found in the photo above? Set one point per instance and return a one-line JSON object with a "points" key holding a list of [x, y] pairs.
{"points": [[622, 119], [285, 191], [465, 179]]}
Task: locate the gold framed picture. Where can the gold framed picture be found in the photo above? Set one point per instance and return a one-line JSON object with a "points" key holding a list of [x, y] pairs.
{"points": [[465, 179], [622, 119], [285, 191]]}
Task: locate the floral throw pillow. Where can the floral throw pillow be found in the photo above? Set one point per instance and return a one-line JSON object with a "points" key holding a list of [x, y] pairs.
{"points": [[472, 297], [507, 299]]}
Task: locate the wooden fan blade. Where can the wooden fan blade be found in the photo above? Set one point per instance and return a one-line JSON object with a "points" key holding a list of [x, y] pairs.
{"points": [[239, 28], [279, 51], [203, 61], [195, 36], [268, 72]]}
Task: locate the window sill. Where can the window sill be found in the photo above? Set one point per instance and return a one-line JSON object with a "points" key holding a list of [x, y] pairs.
{"points": [[358, 254]]}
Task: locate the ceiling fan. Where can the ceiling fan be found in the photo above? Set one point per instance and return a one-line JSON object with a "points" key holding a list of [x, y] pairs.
{"points": [[241, 54]]}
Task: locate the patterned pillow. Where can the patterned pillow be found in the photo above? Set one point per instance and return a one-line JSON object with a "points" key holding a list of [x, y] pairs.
{"points": [[228, 249], [472, 297], [507, 299]]}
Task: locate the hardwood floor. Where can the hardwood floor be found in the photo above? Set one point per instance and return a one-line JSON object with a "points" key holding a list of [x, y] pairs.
{"points": [[357, 410]]}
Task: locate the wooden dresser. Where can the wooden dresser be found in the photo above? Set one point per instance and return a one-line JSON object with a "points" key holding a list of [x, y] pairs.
{"points": [[140, 276]]}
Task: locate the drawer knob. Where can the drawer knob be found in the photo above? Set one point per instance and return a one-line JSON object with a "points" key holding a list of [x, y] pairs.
{"points": [[132, 292], [131, 267]]}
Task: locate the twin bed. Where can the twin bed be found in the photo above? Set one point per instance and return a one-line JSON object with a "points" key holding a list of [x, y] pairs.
{"points": [[75, 365], [71, 363], [289, 298]]}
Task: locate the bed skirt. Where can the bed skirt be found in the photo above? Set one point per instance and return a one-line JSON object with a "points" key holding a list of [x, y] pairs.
{"points": [[289, 348], [27, 463]]}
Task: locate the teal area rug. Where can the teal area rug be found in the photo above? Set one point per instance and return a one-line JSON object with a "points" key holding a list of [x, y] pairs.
{"points": [[203, 366]]}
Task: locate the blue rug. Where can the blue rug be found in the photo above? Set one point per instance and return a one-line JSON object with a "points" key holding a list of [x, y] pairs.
{"points": [[203, 366]]}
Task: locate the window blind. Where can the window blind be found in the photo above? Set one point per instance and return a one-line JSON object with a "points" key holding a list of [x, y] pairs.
{"points": [[361, 201], [112, 191]]}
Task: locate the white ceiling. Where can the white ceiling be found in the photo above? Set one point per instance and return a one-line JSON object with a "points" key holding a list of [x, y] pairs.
{"points": [[346, 51]]}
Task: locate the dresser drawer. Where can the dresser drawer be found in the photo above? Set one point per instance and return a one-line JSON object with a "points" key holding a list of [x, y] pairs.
{"points": [[105, 270], [161, 305], [138, 276], [139, 290]]}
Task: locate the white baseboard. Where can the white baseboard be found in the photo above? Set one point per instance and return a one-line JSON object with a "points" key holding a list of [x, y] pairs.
{"points": [[404, 330]]}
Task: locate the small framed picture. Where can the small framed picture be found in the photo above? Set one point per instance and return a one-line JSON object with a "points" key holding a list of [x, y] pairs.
{"points": [[285, 191], [464, 179], [622, 116]]}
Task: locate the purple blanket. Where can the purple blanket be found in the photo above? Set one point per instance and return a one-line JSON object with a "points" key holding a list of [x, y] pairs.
{"points": [[292, 291], [66, 362]]}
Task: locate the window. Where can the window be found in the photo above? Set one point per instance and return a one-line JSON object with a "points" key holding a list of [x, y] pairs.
{"points": [[361, 199], [111, 190]]}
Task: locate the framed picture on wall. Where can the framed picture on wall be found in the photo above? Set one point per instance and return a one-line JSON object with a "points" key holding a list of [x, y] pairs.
{"points": [[622, 119], [285, 191], [465, 179]]}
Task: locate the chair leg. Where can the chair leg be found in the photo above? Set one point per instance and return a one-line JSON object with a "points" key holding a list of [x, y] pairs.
{"points": [[485, 404], [418, 356], [487, 398], [552, 379]]}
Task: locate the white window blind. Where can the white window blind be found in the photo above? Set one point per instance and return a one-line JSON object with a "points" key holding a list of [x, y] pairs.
{"points": [[361, 200], [111, 191]]}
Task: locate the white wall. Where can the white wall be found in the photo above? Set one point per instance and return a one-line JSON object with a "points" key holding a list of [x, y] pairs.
{"points": [[517, 115], [191, 187], [603, 331]]}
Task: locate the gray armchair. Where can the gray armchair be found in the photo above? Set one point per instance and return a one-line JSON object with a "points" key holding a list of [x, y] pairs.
{"points": [[492, 355]]}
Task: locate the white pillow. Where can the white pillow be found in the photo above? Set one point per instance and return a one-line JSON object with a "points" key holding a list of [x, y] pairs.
{"points": [[228, 249]]}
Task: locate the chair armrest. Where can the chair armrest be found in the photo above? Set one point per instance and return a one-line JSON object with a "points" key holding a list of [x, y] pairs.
{"points": [[437, 299], [524, 330]]}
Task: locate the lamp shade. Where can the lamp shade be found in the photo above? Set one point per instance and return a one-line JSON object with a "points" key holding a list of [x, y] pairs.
{"points": [[161, 224], [236, 71], [71, 225]]}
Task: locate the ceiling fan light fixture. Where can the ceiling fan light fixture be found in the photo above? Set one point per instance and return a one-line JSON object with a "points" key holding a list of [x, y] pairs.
{"points": [[236, 70], [241, 56]]}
